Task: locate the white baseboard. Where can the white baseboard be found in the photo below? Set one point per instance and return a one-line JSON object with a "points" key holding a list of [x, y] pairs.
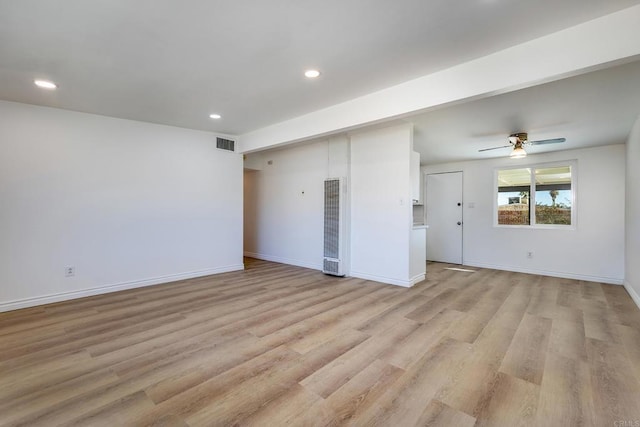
{"points": [[64, 296], [282, 260], [609, 280], [634, 295], [417, 279], [381, 279], [298, 263]]}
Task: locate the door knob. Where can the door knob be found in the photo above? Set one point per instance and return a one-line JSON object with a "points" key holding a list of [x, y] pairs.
{"points": [[459, 204], [459, 223]]}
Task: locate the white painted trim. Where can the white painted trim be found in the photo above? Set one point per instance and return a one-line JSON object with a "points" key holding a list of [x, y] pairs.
{"points": [[417, 279], [282, 260], [632, 292], [591, 45], [387, 280], [64, 296], [564, 275]]}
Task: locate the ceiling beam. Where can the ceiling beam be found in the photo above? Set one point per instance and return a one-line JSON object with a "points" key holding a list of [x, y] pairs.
{"points": [[606, 41]]}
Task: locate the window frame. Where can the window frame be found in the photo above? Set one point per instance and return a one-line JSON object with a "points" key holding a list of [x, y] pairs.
{"points": [[573, 165]]}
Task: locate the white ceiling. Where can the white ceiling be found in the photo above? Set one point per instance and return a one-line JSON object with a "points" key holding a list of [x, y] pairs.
{"points": [[593, 109], [174, 62]]}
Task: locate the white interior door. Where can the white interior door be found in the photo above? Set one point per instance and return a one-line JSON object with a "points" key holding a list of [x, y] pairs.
{"points": [[444, 217]]}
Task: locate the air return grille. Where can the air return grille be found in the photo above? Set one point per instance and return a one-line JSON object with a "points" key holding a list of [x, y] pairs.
{"points": [[225, 144], [333, 234], [331, 267], [331, 218]]}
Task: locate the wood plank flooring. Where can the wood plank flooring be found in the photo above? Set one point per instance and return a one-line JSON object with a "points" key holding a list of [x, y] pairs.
{"points": [[280, 345]]}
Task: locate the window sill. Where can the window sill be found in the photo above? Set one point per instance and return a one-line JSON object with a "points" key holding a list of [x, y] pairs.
{"points": [[538, 227]]}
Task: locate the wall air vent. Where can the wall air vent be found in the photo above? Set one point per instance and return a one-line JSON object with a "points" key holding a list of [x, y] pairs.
{"points": [[331, 267], [333, 227], [225, 144]]}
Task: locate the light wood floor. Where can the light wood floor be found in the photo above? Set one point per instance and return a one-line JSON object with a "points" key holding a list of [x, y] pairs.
{"points": [[279, 345]]}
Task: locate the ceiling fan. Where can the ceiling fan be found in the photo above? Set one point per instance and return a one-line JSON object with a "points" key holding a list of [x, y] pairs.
{"points": [[519, 140]]}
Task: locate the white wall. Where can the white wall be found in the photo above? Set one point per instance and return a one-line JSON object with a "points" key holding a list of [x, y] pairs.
{"points": [[593, 251], [381, 207], [284, 201], [126, 203], [632, 216]]}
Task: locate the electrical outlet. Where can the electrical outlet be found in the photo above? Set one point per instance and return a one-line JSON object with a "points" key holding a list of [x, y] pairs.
{"points": [[529, 254], [69, 271]]}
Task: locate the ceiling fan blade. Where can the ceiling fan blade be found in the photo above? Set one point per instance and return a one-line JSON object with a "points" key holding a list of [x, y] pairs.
{"points": [[495, 148], [547, 141]]}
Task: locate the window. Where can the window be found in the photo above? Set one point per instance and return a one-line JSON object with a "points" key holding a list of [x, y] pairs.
{"points": [[541, 195]]}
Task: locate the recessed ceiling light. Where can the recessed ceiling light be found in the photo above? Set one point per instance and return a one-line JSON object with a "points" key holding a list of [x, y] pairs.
{"points": [[45, 84], [312, 74], [215, 116]]}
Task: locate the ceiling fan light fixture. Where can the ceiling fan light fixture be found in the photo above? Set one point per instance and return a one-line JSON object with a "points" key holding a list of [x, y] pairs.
{"points": [[518, 137], [518, 152], [517, 141]]}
